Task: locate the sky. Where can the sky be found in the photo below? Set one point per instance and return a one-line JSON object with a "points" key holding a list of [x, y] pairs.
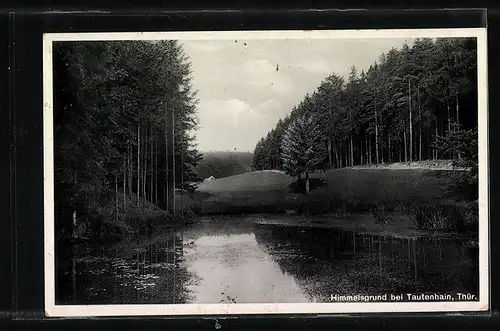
{"points": [[242, 94]]}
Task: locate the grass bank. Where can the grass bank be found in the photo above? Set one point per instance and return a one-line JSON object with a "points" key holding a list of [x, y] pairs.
{"points": [[430, 199]]}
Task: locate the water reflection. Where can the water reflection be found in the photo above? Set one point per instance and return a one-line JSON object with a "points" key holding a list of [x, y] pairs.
{"points": [[147, 271], [326, 262], [236, 260], [235, 269]]}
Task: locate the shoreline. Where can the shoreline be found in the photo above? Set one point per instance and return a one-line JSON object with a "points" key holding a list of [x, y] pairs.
{"points": [[396, 227]]}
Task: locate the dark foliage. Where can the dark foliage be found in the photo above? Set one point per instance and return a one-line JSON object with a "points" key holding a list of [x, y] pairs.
{"points": [[123, 121], [397, 110]]}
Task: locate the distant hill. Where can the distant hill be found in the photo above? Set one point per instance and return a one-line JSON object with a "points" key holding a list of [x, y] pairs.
{"points": [[224, 164]]}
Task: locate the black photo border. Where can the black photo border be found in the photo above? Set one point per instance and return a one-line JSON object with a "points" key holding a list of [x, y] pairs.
{"points": [[25, 141]]}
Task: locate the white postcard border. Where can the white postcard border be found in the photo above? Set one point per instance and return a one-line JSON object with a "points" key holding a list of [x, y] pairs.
{"points": [[53, 310]]}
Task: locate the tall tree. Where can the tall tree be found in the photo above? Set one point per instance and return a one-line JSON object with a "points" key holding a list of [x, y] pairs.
{"points": [[396, 110], [303, 148], [111, 103]]}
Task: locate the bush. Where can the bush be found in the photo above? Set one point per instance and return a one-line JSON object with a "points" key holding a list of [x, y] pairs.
{"points": [[103, 228], [446, 216]]}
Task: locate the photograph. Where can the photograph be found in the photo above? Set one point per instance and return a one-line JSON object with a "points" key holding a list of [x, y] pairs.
{"points": [[265, 172]]}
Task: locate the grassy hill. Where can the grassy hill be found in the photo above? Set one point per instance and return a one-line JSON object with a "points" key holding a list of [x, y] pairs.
{"points": [[258, 191], [385, 185], [430, 197], [250, 181]]}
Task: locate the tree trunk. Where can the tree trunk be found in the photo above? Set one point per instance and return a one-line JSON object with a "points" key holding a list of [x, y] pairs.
{"points": [[341, 164], [420, 127], [457, 118], [307, 183], [361, 160], [450, 123], [330, 138], [145, 167], [376, 137], [142, 165], [399, 149], [449, 115], [389, 158], [182, 174], [130, 171], [352, 151], [347, 154], [74, 234], [429, 152], [156, 168], [124, 187], [369, 151], [151, 182], [138, 162], [406, 148], [367, 159], [173, 160], [410, 121], [330, 158], [436, 141], [167, 184], [335, 153], [116, 197], [381, 153]]}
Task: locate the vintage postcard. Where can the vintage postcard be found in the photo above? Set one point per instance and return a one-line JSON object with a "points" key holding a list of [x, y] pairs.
{"points": [[266, 172]]}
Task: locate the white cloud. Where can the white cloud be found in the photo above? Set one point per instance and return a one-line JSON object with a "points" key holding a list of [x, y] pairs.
{"points": [[320, 67], [264, 74], [233, 124], [268, 106]]}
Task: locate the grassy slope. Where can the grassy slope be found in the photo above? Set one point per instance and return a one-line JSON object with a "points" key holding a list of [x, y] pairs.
{"points": [[251, 181], [259, 191], [348, 191], [348, 185], [386, 185]]}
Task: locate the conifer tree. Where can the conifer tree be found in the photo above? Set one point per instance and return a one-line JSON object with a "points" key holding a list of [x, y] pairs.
{"points": [[124, 118], [393, 111], [303, 148]]}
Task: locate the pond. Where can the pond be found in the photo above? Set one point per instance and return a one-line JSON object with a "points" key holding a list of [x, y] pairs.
{"points": [[237, 259]]}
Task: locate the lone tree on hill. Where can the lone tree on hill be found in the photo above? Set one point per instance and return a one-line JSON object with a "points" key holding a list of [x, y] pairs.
{"points": [[303, 148]]}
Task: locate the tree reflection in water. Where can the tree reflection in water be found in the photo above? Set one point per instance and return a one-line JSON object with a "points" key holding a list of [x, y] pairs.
{"points": [[328, 261], [250, 261], [143, 272]]}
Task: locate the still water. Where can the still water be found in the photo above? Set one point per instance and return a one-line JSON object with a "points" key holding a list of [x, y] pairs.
{"points": [[240, 260]]}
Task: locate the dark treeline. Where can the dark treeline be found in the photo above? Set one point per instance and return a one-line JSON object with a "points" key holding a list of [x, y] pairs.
{"points": [[224, 164], [123, 117], [400, 109]]}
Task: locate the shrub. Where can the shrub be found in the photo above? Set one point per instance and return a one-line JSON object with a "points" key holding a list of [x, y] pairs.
{"points": [[446, 216]]}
